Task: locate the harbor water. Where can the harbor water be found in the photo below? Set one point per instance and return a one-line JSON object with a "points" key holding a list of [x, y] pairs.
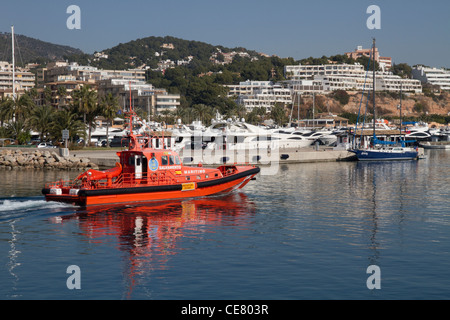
{"points": [[306, 231]]}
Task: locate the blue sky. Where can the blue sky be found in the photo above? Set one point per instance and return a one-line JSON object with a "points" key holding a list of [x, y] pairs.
{"points": [[411, 31]]}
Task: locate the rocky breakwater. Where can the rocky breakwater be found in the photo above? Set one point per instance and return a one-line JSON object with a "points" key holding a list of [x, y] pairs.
{"points": [[36, 159]]}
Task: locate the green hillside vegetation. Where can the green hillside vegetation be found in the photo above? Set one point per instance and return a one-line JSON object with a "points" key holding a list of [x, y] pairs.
{"points": [[33, 50]]}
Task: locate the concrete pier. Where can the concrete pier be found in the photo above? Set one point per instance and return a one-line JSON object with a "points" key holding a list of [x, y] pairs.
{"points": [[108, 158]]}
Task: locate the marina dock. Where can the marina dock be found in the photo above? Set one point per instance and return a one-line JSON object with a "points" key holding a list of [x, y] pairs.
{"points": [[108, 158]]}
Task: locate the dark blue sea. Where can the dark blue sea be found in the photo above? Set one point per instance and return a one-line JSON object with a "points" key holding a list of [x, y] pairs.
{"points": [[309, 232]]}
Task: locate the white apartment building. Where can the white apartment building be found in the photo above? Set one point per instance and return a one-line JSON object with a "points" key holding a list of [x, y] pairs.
{"points": [[310, 72], [247, 88], [266, 97], [24, 80], [394, 83], [167, 101], [434, 76], [55, 71], [306, 86], [350, 77]]}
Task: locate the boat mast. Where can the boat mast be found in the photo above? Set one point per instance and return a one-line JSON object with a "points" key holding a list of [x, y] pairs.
{"points": [[400, 107], [373, 86], [13, 65], [131, 110]]}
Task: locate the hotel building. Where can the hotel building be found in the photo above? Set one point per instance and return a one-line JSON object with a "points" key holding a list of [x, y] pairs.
{"points": [[24, 80], [57, 71], [350, 77], [257, 94], [384, 62], [433, 76]]}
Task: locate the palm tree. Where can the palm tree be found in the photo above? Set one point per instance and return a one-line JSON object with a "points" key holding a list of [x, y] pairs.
{"points": [[41, 120], [186, 114], [203, 111], [85, 100], [18, 130], [109, 107], [67, 120], [23, 106], [6, 110], [47, 95], [62, 93], [167, 114], [278, 114]]}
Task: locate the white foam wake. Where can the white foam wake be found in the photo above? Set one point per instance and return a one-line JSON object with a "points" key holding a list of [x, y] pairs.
{"points": [[7, 205]]}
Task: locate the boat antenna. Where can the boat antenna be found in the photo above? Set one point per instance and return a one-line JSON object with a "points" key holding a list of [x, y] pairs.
{"points": [[131, 110]]}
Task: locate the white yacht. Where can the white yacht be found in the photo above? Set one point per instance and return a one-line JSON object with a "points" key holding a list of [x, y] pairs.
{"points": [[237, 136]]}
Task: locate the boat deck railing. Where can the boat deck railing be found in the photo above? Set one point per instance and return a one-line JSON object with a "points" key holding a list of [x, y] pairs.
{"points": [[124, 180], [131, 180]]}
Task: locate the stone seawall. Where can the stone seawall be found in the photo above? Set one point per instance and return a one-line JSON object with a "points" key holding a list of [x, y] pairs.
{"points": [[45, 159]]}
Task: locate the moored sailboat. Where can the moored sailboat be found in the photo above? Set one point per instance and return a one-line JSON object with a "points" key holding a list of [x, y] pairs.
{"points": [[384, 150]]}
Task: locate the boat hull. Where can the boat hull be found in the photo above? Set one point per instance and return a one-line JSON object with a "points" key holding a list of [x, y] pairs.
{"points": [[436, 145], [379, 155], [86, 197]]}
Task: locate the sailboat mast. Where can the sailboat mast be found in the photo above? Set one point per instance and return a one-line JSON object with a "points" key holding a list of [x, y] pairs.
{"points": [[13, 65], [400, 107], [373, 95]]}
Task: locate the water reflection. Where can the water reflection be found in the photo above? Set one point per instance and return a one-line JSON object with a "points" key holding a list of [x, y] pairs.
{"points": [[387, 187], [149, 233]]}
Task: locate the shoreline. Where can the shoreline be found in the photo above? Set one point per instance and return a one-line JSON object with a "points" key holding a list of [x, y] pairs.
{"points": [[42, 159]]}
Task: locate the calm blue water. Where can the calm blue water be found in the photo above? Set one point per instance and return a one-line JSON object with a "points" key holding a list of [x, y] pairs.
{"points": [[309, 232]]}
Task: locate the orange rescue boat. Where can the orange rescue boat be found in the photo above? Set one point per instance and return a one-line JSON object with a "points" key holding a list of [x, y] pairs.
{"points": [[145, 173]]}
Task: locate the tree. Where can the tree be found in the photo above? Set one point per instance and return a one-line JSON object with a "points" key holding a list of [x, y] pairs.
{"points": [[203, 112], [341, 96], [62, 93], [85, 100], [403, 70], [278, 114], [47, 95], [41, 120], [67, 120], [23, 106], [19, 131], [109, 107], [187, 114], [6, 110]]}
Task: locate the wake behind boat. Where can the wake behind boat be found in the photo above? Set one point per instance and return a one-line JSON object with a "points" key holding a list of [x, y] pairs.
{"points": [[147, 173]]}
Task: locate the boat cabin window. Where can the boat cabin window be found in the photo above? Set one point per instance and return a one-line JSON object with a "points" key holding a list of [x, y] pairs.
{"points": [[171, 160], [188, 178], [164, 160], [131, 161]]}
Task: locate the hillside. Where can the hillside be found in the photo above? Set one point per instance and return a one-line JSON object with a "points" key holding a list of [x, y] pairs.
{"points": [[33, 50], [149, 51]]}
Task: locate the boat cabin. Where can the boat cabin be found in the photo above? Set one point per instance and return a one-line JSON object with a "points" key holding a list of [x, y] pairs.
{"points": [[160, 166]]}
